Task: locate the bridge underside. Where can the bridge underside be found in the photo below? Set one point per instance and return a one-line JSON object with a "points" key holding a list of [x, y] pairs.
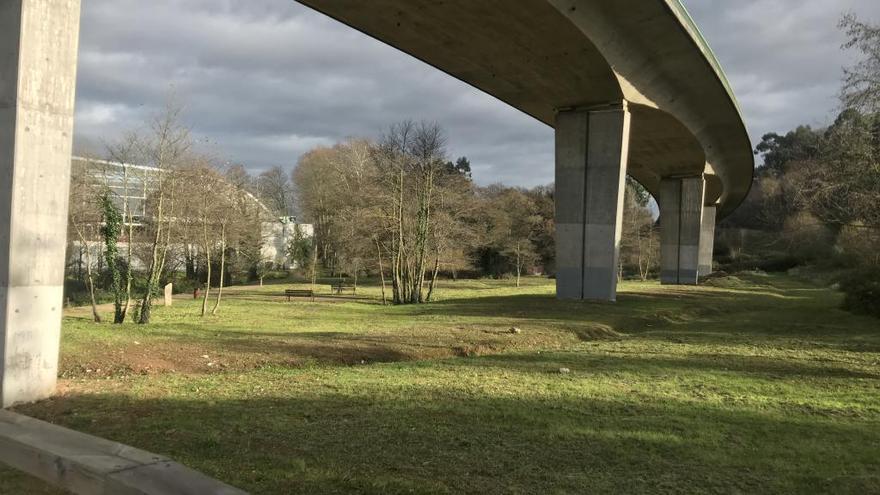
{"points": [[628, 85], [532, 57]]}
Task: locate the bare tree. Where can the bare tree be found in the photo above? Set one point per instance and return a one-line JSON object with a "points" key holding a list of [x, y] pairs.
{"points": [[166, 146], [512, 221], [453, 235], [861, 83], [275, 190], [239, 222], [639, 244], [125, 152], [840, 187], [398, 200], [409, 159], [321, 199], [381, 269], [199, 210], [84, 219]]}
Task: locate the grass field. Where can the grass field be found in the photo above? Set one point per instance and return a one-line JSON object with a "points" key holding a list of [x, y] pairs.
{"points": [[757, 385]]}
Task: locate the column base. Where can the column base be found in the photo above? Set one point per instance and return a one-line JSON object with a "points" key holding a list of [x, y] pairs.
{"points": [[30, 353]]}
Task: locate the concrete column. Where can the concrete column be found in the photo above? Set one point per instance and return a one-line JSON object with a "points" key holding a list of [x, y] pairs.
{"points": [[591, 155], [681, 219], [707, 240], [38, 50]]}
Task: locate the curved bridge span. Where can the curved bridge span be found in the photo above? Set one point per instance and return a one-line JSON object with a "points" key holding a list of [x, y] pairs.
{"points": [[630, 86]]}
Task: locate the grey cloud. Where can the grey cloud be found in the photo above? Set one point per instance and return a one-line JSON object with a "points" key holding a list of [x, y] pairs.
{"points": [[264, 81], [783, 58]]}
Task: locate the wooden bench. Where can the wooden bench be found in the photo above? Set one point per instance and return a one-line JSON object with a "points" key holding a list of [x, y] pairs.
{"points": [[338, 288], [290, 293]]}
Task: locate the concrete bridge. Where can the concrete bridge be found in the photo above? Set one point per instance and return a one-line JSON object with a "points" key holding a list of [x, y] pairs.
{"points": [[630, 87]]}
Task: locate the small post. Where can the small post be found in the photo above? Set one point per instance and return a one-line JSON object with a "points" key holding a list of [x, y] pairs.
{"points": [[169, 293]]}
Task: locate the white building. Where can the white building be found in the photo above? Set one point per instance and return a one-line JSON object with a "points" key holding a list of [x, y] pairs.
{"points": [[136, 182], [277, 237]]}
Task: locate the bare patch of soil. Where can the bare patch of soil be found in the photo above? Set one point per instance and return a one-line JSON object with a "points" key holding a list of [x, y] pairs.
{"points": [[244, 352]]}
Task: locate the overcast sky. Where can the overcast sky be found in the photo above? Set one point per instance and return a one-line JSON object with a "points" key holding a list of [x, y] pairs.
{"points": [[266, 80]]}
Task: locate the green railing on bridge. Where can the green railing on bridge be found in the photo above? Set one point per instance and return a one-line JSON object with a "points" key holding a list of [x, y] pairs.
{"points": [[690, 25]]}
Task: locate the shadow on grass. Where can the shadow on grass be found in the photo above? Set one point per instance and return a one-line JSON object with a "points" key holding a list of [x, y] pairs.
{"points": [[646, 364], [183, 348], [708, 314], [510, 423], [335, 348], [477, 326], [280, 297], [333, 437]]}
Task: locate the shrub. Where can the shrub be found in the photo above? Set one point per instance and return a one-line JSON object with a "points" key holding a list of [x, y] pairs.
{"points": [[858, 246], [76, 293], [806, 238], [182, 285], [862, 290], [769, 262]]}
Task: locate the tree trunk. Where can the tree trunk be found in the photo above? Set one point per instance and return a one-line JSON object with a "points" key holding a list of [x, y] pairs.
{"points": [[90, 280], [160, 249], [355, 277], [422, 236], [399, 287], [433, 277], [381, 271], [190, 263], [155, 269], [222, 268], [314, 265], [518, 265], [128, 277], [208, 269], [112, 222], [644, 258], [127, 215], [79, 265]]}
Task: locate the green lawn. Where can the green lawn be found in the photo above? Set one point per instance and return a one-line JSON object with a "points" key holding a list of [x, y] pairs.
{"points": [[759, 386]]}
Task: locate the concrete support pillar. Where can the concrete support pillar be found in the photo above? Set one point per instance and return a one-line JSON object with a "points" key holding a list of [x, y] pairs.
{"points": [[707, 240], [38, 50], [681, 220], [591, 155]]}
